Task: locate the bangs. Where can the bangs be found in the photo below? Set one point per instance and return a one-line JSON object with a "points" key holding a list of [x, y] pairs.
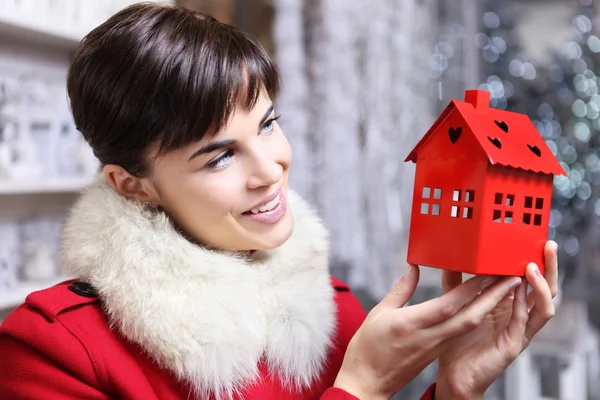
{"points": [[212, 68], [160, 77]]}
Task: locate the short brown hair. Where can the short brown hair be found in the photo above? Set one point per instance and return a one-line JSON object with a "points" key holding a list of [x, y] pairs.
{"points": [[162, 75]]}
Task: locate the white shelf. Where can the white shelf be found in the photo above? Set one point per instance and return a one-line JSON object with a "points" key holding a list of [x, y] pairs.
{"points": [[15, 296], [43, 186], [26, 27]]}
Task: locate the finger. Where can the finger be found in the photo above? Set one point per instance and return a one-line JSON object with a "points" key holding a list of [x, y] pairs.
{"points": [[437, 310], [520, 316], [550, 271], [450, 280], [473, 314], [543, 309], [551, 266], [402, 290]]}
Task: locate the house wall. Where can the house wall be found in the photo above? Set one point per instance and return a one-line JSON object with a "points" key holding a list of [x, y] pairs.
{"points": [[507, 246], [447, 240]]}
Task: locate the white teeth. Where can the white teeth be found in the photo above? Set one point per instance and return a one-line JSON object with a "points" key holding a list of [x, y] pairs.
{"points": [[267, 207]]}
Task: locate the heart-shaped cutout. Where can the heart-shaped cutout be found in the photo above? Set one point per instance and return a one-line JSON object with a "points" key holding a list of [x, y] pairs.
{"points": [[502, 125], [535, 150], [454, 134], [495, 141]]}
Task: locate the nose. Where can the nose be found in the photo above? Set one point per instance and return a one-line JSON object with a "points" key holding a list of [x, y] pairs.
{"points": [[264, 171]]}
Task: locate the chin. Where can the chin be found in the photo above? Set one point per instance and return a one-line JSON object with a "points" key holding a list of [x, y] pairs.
{"points": [[274, 237]]}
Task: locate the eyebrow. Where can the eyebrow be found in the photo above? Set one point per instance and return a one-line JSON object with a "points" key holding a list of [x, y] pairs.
{"points": [[264, 118], [212, 146]]}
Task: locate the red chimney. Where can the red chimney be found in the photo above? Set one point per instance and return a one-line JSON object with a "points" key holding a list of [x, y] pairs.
{"points": [[480, 99]]}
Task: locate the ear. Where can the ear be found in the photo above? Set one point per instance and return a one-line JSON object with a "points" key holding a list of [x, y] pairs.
{"points": [[129, 186]]}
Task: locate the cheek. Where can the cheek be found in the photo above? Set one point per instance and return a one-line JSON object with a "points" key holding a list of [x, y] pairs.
{"points": [[205, 196], [220, 195]]}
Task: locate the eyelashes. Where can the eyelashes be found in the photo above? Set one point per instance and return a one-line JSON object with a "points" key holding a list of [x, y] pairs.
{"points": [[269, 123], [215, 164], [223, 160]]}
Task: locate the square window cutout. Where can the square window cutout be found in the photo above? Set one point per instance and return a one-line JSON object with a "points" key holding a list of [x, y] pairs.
{"points": [[437, 194], [498, 198], [510, 200], [454, 212], [470, 196], [435, 209], [539, 203], [497, 216], [528, 202], [426, 192], [467, 212], [424, 208], [456, 195]]}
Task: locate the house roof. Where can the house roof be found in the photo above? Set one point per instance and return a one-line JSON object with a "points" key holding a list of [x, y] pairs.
{"points": [[507, 138]]}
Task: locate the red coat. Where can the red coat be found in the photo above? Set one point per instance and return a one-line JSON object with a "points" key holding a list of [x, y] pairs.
{"points": [[168, 311], [58, 345]]}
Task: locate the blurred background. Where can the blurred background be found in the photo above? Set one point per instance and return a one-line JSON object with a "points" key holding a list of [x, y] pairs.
{"points": [[363, 80]]}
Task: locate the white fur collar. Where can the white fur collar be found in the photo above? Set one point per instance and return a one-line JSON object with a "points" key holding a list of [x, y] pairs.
{"points": [[207, 316]]}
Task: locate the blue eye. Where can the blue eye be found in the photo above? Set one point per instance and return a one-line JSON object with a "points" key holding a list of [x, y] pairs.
{"points": [[221, 161], [269, 125]]}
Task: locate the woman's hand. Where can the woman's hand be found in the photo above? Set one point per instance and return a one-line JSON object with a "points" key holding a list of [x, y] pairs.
{"points": [[472, 362], [396, 343]]}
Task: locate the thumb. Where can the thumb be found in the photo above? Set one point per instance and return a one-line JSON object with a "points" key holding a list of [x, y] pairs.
{"points": [[402, 290]]}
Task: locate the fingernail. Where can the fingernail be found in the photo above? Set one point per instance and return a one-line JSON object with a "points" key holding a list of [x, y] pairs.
{"points": [[407, 271], [535, 269], [488, 281], [514, 283]]}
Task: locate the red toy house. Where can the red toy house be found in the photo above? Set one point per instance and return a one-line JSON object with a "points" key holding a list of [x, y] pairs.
{"points": [[483, 187]]}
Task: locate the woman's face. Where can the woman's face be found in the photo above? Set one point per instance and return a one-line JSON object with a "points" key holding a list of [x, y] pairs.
{"points": [[230, 191]]}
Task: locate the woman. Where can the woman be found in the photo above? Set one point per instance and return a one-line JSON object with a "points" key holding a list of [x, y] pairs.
{"points": [[202, 275]]}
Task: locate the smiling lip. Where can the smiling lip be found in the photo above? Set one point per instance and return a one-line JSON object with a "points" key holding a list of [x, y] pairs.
{"points": [[265, 200], [273, 215]]}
